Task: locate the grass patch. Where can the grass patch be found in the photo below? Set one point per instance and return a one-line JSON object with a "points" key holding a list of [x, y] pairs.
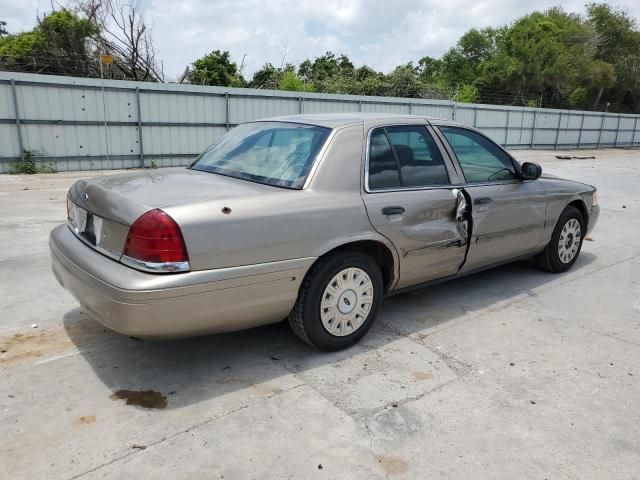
{"points": [[27, 166]]}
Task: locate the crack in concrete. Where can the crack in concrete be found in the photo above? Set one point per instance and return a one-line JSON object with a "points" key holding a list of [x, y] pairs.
{"points": [[195, 426], [584, 327], [509, 303], [459, 367], [405, 401], [374, 456]]}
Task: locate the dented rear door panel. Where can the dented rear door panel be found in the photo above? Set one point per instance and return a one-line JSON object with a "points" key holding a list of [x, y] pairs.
{"points": [[427, 236]]}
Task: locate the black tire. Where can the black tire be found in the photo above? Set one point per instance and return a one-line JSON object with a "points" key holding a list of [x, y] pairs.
{"points": [[305, 319], [549, 258]]}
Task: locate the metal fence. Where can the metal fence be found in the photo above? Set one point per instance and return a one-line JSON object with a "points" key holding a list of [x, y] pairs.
{"points": [[85, 124]]}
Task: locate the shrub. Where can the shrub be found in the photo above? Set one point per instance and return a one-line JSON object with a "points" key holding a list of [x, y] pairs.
{"points": [[27, 166]]}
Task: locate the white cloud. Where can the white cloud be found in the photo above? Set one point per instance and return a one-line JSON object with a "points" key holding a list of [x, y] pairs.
{"points": [[380, 33]]}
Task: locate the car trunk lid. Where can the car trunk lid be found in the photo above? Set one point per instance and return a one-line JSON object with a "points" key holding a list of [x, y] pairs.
{"points": [[123, 198], [103, 208]]}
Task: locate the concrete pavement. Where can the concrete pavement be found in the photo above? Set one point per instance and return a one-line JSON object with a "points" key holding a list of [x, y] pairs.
{"points": [[510, 373]]}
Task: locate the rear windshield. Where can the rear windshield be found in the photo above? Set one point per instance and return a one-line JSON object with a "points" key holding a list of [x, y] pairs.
{"points": [[273, 153]]}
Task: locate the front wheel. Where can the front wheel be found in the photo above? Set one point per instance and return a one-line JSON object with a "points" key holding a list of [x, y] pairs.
{"points": [[566, 242], [338, 300]]}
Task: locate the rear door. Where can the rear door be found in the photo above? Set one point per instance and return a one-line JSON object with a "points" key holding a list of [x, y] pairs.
{"points": [[508, 213], [410, 199]]}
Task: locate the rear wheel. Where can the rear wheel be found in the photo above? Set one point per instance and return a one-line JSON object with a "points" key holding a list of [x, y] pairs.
{"points": [[338, 300], [566, 242]]}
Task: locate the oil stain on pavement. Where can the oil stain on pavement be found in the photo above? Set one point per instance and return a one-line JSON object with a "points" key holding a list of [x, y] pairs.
{"points": [[144, 399]]}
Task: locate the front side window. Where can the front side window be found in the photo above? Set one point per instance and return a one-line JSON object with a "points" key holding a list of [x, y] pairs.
{"points": [[404, 156], [481, 160], [274, 153]]}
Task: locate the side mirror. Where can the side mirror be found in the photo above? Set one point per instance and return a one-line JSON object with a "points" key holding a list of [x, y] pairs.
{"points": [[530, 171]]}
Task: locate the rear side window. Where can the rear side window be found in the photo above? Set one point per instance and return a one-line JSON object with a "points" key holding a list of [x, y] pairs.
{"points": [[481, 160], [383, 167], [404, 156]]}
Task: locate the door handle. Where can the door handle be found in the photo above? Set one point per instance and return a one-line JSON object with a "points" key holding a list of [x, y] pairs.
{"points": [[392, 210], [482, 201]]}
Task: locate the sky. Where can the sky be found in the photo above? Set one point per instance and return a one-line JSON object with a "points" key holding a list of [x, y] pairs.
{"points": [[378, 33]]}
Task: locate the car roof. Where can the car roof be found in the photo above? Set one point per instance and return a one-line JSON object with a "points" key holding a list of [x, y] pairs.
{"points": [[335, 120]]}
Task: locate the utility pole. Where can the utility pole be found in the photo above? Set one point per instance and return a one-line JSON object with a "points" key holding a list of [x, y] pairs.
{"points": [[244, 56], [105, 59]]}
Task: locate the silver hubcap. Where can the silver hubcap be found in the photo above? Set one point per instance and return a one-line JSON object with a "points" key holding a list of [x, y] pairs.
{"points": [[346, 301], [569, 241]]}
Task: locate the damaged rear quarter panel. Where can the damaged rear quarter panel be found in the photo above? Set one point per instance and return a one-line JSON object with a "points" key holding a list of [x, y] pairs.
{"points": [[283, 224]]}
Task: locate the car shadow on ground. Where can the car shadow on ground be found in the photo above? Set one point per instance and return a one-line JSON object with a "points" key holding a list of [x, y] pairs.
{"points": [[198, 369]]}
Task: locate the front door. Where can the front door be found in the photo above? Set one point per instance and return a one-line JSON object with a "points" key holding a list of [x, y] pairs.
{"points": [[410, 200], [508, 213]]}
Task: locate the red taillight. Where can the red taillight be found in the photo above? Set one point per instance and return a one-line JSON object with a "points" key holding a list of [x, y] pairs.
{"points": [[155, 238]]}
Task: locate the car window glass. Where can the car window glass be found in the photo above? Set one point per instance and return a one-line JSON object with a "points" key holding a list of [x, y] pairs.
{"points": [[481, 160], [421, 163], [409, 148], [274, 153], [383, 168]]}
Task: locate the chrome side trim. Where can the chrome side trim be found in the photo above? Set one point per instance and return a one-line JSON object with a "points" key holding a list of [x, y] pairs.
{"points": [[439, 244], [168, 267]]}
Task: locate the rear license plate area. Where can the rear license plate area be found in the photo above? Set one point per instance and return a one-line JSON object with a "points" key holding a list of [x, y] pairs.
{"points": [[93, 229], [85, 224]]}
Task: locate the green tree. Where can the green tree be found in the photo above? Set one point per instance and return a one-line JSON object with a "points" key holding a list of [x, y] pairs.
{"points": [[578, 97], [551, 58], [216, 68], [270, 77], [326, 72], [58, 45], [290, 81], [3, 29], [544, 54], [467, 93], [429, 69], [619, 46], [267, 77], [462, 63], [403, 82]]}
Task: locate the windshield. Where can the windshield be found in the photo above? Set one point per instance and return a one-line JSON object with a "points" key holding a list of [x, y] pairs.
{"points": [[274, 153]]}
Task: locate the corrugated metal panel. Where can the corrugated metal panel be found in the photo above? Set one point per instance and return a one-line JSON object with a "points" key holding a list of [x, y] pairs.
{"points": [[573, 120], [63, 119], [438, 110], [399, 108], [494, 133], [465, 114], [178, 140], [80, 140], [312, 105], [246, 109], [46, 103], [172, 107], [592, 121], [6, 102], [9, 145]]}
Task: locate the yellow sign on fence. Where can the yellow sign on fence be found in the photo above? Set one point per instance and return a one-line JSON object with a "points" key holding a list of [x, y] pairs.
{"points": [[106, 59]]}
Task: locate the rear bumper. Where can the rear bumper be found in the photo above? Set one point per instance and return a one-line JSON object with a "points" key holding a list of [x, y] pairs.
{"points": [[150, 305]]}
